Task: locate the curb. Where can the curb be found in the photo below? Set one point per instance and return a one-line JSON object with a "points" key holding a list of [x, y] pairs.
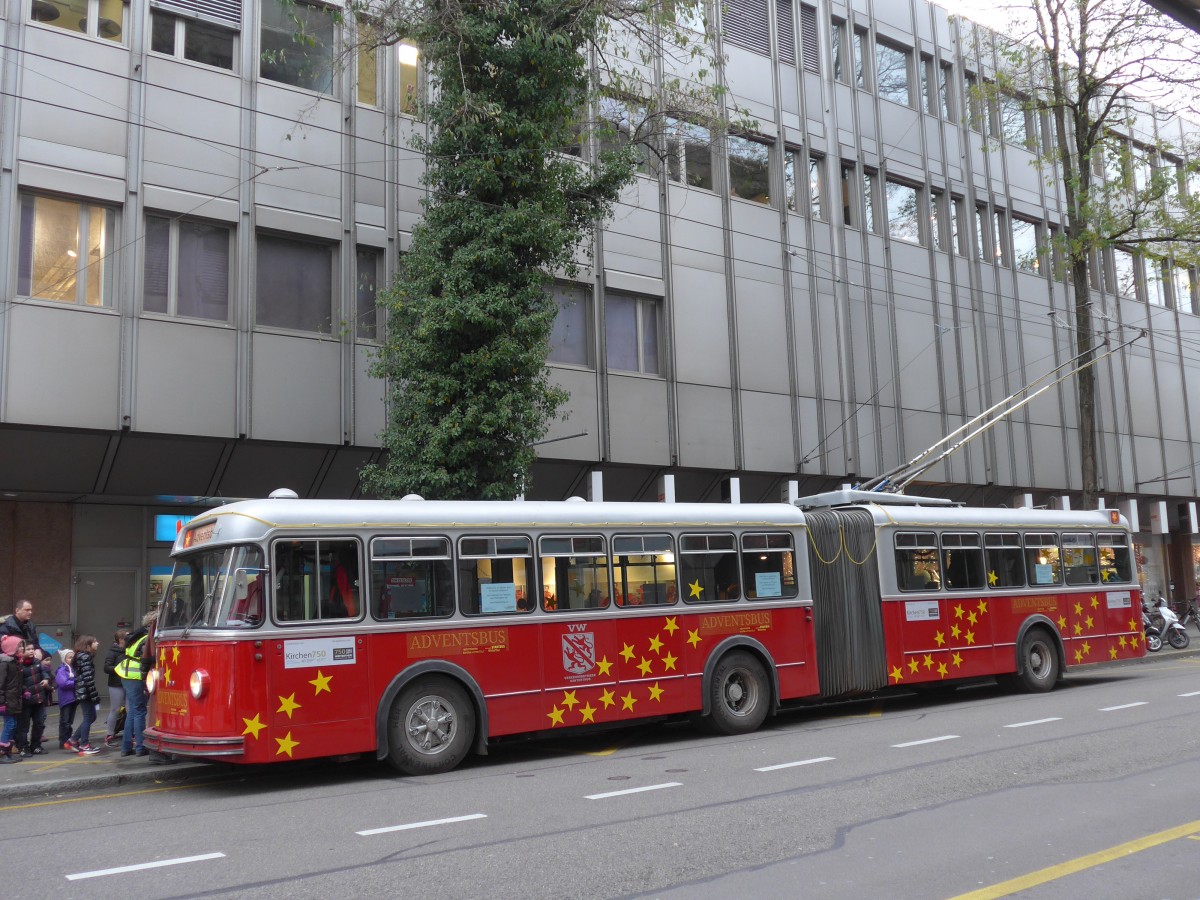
{"points": [[161, 774]]}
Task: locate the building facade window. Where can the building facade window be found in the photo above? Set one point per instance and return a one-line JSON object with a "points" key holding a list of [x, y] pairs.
{"points": [[96, 18], [972, 102], [892, 75], [1013, 124], [749, 169], [958, 228], [904, 223], [946, 91], [809, 41], [785, 30], [869, 192], [66, 251], [1125, 273], [186, 268], [631, 332], [570, 340], [859, 51], [620, 120], [408, 57], [937, 220], [305, 64], [368, 315], [746, 25], [1026, 244], [837, 49], [999, 245], [791, 164], [981, 234], [294, 283], [192, 40], [367, 75], [848, 179], [1156, 286], [816, 187], [689, 154], [1181, 289]]}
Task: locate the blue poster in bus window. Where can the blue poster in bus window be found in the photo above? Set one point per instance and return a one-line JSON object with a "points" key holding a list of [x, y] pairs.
{"points": [[166, 528], [498, 598], [1043, 573], [766, 584]]}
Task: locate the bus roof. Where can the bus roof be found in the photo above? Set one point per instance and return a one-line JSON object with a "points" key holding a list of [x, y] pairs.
{"points": [[247, 520]]}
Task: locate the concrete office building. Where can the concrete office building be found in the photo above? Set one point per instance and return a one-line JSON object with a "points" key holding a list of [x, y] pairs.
{"points": [[192, 230]]}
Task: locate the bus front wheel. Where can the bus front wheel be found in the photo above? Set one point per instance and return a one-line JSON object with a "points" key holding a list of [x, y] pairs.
{"points": [[1038, 661], [430, 727], [739, 695]]}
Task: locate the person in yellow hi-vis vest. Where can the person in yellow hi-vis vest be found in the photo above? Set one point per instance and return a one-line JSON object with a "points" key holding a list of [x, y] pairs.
{"points": [[131, 669]]}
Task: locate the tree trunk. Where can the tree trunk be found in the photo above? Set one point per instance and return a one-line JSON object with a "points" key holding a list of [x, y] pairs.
{"points": [[1085, 384]]}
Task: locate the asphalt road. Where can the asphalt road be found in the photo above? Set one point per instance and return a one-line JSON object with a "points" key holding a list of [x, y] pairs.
{"points": [[1085, 791]]}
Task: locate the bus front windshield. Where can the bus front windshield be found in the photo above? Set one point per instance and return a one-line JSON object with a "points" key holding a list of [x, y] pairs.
{"points": [[216, 588]]}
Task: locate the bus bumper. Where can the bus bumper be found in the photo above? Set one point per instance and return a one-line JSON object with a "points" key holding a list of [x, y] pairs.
{"points": [[201, 747]]}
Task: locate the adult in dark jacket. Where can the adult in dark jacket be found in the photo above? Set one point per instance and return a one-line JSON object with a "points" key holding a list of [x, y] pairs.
{"points": [[20, 624], [12, 701], [116, 690], [87, 694]]}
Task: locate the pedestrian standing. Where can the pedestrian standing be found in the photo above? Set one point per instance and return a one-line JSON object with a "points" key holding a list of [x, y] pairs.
{"points": [[20, 624], [116, 690], [64, 681], [11, 694], [37, 695], [132, 668], [86, 692]]}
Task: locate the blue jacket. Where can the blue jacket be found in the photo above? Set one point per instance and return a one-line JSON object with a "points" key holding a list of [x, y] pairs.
{"points": [[64, 678]]}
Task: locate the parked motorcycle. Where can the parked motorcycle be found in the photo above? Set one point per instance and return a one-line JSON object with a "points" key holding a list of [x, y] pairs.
{"points": [[1191, 614], [1172, 628], [1153, 635]]}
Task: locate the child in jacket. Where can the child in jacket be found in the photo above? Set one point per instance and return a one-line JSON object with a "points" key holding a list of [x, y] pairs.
{"points": [[64, 680], [37, 694], [12, 691], [87, 695]]}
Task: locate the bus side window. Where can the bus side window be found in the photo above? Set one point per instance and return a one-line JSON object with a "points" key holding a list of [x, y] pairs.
{"points": [[1116, 561], [316, 580], [962, 561], [708, 568], [574, 572], [495, 575], [769, 565], [1042, 558], [1005, 560], [644, 569], [411, 577], [1079, 558], [917, 567]]}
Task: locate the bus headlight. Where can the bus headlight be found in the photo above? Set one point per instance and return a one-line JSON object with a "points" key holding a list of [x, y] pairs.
{"points": [[152, 681], [198, 684]]}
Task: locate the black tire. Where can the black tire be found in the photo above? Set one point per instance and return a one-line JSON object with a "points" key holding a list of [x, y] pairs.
{"points": [[1037, 661], [431, 727], [739, 694], [1178, 638], [1153, 641]]}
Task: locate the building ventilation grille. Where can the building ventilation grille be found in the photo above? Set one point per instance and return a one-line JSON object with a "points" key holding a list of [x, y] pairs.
{"points": [[808, 38], [747, 25], [787, 31], [219, 12]]}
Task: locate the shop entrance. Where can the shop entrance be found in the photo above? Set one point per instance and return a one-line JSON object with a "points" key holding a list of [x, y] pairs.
{"points": [[104, 601]]}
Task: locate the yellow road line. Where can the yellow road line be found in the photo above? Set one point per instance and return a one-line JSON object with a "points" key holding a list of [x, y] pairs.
{"points": [[1070, 867], [158, 790]]}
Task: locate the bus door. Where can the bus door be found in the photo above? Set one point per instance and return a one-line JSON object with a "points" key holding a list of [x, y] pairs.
{"points": [[318, 692]]}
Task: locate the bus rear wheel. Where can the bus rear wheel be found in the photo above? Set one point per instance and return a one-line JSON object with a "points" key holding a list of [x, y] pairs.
{"points": [[1037, 659], [430, 727], [739, 695]]}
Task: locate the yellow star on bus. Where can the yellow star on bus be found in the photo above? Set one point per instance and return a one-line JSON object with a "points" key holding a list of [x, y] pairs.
{"points": [[942, 670], [695, 588], [957, 660], [1078, 608], [627, 652], [1087, 648], [253, 727], [569, 700], [671, 627], [1133, 624], [321, 683], [1112, 652], [939, 639], [606, 697], [287, 705], [588, 712], [913, 666], [655, 644], [628, 701], [1133, 642], [1095, 602], [162, 657], [958, 611], [556, 716], [972, 618], [174, 654], [286, 745], [928, 661], [669, 662], [1089, 621], [604, 666], [167, 676], [970, 636], [1121, 640], [694, 638], [1078, 656], [982, 607], [992, 579], [656, 693], [1078, 629], [1105, 574], [896, 674], [644, 666], [1062, 623], [955, 631]]}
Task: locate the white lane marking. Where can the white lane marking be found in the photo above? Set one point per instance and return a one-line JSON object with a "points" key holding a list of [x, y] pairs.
{"points": [[944, 737], [412, 825], [649, 787], [1034, 722], [1124, 706], [150, 865], [803, 762], [1191, 694]]}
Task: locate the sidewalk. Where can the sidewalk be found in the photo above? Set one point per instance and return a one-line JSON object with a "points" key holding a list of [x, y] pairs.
{"points": [[58, 772]]}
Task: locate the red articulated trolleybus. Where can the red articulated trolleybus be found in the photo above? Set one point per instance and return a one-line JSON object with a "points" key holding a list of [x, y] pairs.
{"points": [[421, 630]]}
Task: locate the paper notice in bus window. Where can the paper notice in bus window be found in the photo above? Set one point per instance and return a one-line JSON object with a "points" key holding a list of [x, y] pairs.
{"points": [[767, 584], [1043, 573], [309, 654], [921, 610], [1120, 600], [498, 598]]}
